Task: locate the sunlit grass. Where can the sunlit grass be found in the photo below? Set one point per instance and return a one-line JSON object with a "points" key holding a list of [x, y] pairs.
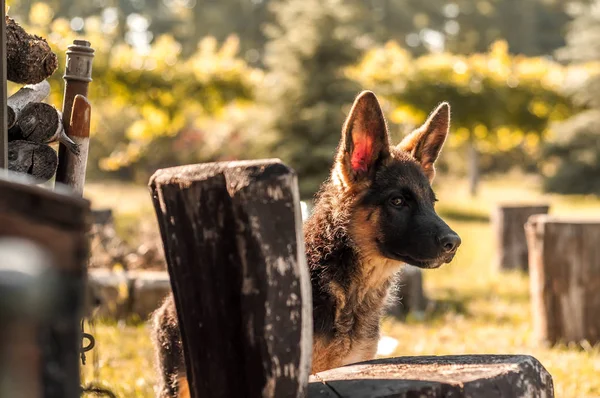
{"points": [[474, 309]]}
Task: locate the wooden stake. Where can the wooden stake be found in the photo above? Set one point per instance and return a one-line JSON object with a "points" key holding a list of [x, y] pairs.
{"points": [[30, 59], [78, 75]]}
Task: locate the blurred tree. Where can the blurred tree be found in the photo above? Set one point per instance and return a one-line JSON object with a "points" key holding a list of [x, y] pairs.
{"points": [[499, 102], [574, 155], [145, 101], [305, 89]]}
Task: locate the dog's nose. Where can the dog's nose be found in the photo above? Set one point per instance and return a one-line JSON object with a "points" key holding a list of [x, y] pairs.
{"points": [[450, 242]]}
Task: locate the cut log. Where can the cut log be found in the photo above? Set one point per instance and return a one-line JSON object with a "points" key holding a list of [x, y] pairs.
{"points": [[490, 376], [25, 95], [511, 244], [409, 294], [29, 57], [564, 260], [37, 160], [42, 123], [233, 241], [57, 223]]}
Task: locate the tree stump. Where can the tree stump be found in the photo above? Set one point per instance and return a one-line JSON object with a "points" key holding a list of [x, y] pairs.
{"points": [[234, 246], [56, 223], [489, 376], [511, 245], [564, 258], [410, 297]]}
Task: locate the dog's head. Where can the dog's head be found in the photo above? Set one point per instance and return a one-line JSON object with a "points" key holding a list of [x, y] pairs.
{"points": [[393, 215]]}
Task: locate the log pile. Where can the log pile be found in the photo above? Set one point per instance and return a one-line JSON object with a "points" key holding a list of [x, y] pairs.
{"points": [[33, 124]]}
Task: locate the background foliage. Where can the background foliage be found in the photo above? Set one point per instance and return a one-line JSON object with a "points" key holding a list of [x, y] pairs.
{"points": [[184, 81]]}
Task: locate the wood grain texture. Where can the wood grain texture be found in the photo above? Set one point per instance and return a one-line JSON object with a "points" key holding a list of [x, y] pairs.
{"points": [[564, 257], [509, 228], [235, 253], [37, 160], [490, 376]]}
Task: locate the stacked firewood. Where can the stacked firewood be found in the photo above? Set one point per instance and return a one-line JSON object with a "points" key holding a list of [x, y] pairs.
{"points": [[32, 123]]}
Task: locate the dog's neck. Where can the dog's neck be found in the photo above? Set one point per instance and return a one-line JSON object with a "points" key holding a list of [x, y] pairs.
{"points": [[346, 274]]}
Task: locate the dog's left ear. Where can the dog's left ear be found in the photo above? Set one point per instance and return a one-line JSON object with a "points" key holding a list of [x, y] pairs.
{"points": [[426, 142]]}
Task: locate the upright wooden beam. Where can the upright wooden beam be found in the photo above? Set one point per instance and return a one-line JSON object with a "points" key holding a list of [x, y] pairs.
{"points": [[76, 113], [233, 240], [56, 222], [3, 91]]}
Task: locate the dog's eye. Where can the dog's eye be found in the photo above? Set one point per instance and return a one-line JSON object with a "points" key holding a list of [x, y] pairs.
{"points": [[397, 201]]}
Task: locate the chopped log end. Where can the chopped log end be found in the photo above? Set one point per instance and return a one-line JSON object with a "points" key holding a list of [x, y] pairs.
{"points": [[512, 376], [39, 122], [30, 59], [201, 172], [37, 160]]}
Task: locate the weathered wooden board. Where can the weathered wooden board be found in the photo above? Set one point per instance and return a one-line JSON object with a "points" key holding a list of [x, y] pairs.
{"points": [[57, 223], [489, 376], [564, 260], [233, 242]]}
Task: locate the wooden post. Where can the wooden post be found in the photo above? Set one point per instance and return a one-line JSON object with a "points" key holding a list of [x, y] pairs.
{"points": [[511, 245], [498, 376], [3, 92], [564, 259], [234, 247], [57, 223], [29, 290], [78, 75]]}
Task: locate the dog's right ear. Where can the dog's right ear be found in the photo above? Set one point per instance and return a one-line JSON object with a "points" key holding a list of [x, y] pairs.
{"points": [[365, 141]]}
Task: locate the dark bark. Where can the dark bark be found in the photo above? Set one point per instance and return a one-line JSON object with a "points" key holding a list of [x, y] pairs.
{"points": [[29, 57], [233, 242]]}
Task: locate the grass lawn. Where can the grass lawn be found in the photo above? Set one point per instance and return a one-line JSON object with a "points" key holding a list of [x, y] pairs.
{"points": [[475, 309]]}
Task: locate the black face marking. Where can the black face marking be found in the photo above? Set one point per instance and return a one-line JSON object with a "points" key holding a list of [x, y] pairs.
{"points": [[412, 233]]}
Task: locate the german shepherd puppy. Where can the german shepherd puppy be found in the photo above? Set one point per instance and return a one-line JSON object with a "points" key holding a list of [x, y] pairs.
{"points": [[374, 213]]}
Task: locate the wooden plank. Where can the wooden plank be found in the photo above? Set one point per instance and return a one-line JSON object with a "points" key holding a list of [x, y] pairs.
{"points": [[492, 376], [57, 222], [234, 247], [509, 227], [3, 90], [564, 258]]}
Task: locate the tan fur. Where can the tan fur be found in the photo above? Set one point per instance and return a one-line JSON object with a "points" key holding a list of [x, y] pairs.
{"points": [[184, 388]]}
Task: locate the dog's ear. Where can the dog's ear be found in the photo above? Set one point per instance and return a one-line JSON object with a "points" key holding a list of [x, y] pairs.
{"points": [[365, 143], [426, 142]]}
